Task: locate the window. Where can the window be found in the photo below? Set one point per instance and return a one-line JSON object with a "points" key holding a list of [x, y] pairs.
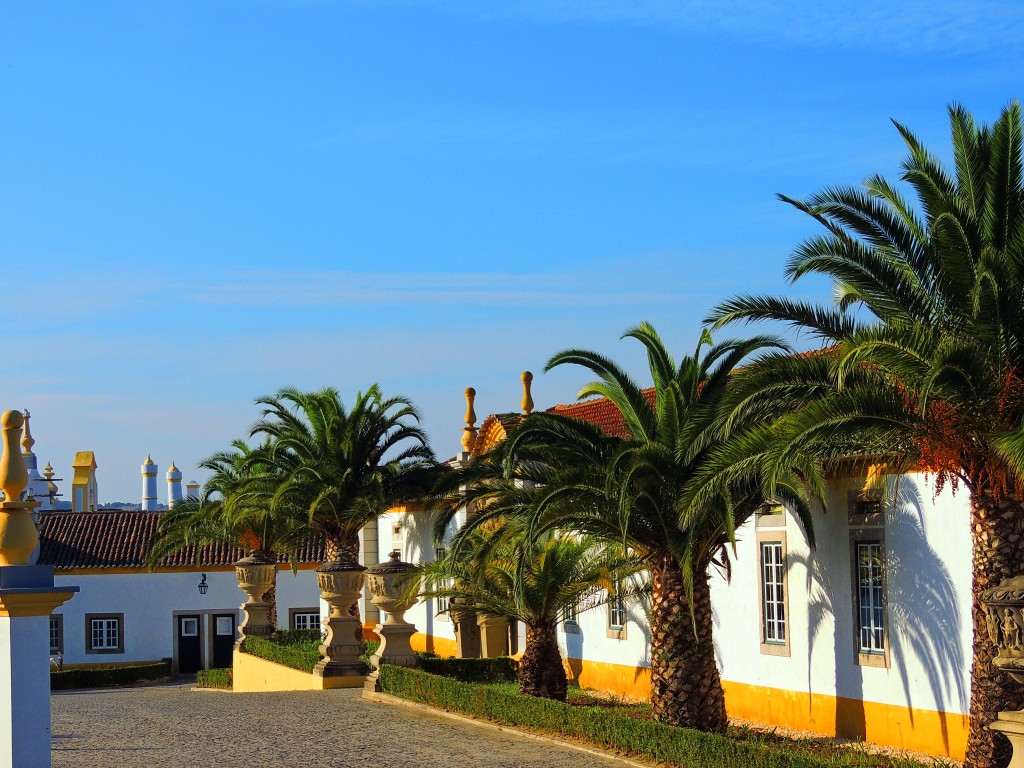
{"points": [[773, 589], [867, 510], [56, 634], [104, 633], [441, 608], [226, 626], [617, 615], [190, 627], [869, 563], [305, 618], [773, 597]]}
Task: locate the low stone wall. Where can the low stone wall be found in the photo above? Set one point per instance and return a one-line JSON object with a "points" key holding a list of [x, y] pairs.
{"points": [[252, 674]]}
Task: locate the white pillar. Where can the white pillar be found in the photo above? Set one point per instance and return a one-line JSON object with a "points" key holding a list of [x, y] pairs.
{"points": [[27, 598], [149, 470], [24, 692], [173, 486]]}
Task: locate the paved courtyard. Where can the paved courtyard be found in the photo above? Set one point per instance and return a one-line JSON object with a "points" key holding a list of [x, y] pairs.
{"points": [[175, 726]]}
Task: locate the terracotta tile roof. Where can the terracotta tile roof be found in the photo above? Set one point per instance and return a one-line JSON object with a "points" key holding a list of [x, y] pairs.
{"points": [[601, 412], [118, 539]]}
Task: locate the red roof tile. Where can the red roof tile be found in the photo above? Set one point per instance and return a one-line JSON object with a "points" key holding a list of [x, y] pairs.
{"points": [[118, 539], [601, 412]]}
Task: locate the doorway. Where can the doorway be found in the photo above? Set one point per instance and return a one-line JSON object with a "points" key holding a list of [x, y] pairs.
{"points": [[223, 640], [190, 645]]}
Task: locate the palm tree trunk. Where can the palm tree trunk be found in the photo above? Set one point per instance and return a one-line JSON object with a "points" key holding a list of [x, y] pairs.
{"points": [[341, 548], [270, 598], [541, 671], [998, 553], [685, 687]]}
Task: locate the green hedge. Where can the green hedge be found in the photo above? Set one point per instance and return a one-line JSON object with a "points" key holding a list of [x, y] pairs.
{"points": [[602, 727], [296, 636], [105, 677], [299, 655], [214, 678], [497, 670]]}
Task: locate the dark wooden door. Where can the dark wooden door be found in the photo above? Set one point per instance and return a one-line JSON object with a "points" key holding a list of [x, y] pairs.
{"points": [[223, 640], [190, 644]]}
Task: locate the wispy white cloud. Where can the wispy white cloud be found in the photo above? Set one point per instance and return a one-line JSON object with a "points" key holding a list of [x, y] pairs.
{"points": [[910, 26]]}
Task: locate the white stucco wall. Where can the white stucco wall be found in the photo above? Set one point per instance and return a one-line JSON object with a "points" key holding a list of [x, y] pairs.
{"points": [[149, 602], [928, 592]]}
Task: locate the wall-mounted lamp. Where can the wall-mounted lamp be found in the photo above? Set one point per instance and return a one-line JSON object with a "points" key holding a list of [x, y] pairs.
{"points": [[203, 586]]}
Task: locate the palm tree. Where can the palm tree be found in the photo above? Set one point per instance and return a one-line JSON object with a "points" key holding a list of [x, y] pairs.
{"points": [[503, 573], [925, 359], [234, 510], [631, 490], [342, 468]]}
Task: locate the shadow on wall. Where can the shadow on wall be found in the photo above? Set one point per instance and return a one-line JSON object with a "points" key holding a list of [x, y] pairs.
{"points": [[924, 619], [923, 616], [574, 649]]}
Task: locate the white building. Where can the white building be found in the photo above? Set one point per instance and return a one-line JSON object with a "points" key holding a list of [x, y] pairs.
{"points": [[868, 635], [125, 613]]}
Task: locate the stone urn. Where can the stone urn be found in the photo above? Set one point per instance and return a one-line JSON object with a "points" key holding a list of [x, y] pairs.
{"points": [[255, 575], [341, 584], [1004, 618], [388, 584]]}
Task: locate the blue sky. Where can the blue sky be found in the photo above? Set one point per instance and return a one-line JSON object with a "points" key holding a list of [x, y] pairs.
{"points": [[201, 202]]}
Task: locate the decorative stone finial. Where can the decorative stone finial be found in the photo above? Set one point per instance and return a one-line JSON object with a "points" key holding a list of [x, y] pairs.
{"points": [[13, 473], [48, 472], [27, 442], [527, 405], [149, 460], [469, 431]]}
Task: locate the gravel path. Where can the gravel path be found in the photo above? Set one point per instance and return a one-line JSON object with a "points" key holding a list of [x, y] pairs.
{"points": [[175, 726]]}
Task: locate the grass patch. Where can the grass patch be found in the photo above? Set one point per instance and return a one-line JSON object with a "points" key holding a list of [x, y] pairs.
{"points": [[627, 727], [214, 678], [108, 677]]}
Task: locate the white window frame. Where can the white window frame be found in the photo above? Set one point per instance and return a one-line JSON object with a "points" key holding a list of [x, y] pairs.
{"points": [[869, 567], [308, 618], [108, 629], [616, 615], [441, 603], [56, 631]]}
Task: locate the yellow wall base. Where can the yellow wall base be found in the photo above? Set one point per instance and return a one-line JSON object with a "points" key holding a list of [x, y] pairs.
{"points": [[251, 674], [442, 646], [923, 730]]}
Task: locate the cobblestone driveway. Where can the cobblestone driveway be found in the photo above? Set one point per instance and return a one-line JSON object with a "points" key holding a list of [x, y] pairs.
{"points": [[176, 727]]}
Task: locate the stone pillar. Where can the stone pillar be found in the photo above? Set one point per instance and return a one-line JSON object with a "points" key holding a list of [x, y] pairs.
{"points": [[27, 598], [388, 585], [467, 631], [493, 636], [255, 575], [371, 556], [1004, 618], [340, 585]]}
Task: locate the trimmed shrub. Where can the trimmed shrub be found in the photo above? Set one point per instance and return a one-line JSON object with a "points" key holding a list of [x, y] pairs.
{"points": [[296, 636], [213, 678], [106, 677], [298, 655], [601, 727], [371, 648], [497, 670]]}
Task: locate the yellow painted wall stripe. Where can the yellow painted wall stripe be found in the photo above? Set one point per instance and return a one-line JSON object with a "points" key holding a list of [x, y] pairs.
{"points": [[937, 733]]}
